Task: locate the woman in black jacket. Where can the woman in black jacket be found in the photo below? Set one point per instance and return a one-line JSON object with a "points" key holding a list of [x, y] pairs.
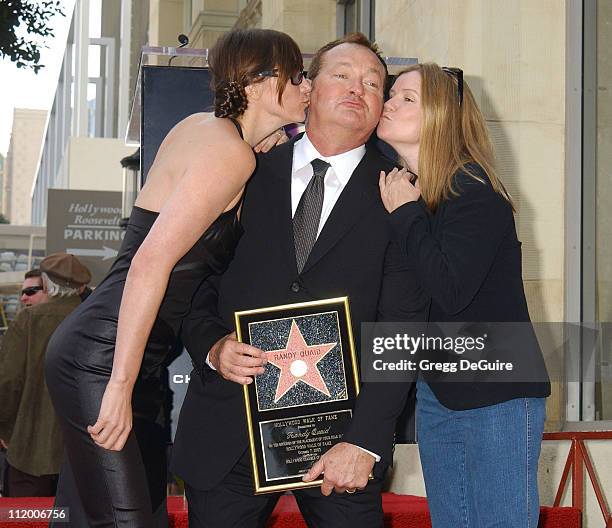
{"points": [[479, 432]]}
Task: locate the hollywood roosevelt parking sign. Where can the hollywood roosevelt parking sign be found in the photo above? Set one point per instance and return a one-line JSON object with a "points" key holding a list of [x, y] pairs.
{"points": [[85, 224]]}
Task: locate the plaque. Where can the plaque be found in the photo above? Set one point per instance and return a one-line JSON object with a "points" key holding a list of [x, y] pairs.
{"points": [[303, 402]]}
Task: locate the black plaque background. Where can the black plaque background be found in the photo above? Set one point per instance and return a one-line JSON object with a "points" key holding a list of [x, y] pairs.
{"points": [[276, 456], [254, 416]]}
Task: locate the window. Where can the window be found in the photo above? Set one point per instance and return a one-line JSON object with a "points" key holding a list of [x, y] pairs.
{"points": [[589, 208], [355, 15]]}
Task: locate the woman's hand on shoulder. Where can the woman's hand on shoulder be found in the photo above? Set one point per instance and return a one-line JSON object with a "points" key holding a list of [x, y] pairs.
{"points": [[396, 188], [273, 140]]}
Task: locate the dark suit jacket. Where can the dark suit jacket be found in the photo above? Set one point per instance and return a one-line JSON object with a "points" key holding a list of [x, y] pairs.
{"points": [[467, 257], [353, 256]]}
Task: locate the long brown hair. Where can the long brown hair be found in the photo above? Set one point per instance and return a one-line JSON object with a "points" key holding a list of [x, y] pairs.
{"points": [[453, 136], [237, 59]]}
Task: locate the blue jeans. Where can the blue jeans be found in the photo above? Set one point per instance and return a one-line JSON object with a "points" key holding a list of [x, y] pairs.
{"points": [[480, 465]]}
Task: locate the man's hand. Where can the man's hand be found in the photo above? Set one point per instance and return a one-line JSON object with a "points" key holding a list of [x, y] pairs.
{"points": [[235, 361], [345, 467], [3, 444]]}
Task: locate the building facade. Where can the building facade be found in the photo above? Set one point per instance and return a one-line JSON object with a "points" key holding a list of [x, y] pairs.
{"points": [[2, 178], [84, 139], [22, 158]]}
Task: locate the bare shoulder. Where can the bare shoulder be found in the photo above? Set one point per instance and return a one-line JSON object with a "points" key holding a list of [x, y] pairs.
{"points": [[203, 139], [199, 154]]}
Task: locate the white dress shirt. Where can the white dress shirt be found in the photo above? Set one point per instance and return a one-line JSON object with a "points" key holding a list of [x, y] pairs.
{"points": [[336, 178]]}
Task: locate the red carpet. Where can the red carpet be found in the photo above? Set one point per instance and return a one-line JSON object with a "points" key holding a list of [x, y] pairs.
{"points": [[408, 511], [401, 511]]}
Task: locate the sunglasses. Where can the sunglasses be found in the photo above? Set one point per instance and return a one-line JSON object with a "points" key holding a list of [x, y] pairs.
{"points": [[296, 78], [458, 73], [28, 292]]}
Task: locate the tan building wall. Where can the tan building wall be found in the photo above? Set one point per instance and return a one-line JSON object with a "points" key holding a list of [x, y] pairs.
{"points": [[140, 32], [311, 24], [250, 16], [93, 163], [2, 182], [20, 237], [212, 18], [166, 20], [22, 160]]}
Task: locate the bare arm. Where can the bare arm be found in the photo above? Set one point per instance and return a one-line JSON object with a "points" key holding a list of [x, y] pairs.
{"points": [[209, 184]]}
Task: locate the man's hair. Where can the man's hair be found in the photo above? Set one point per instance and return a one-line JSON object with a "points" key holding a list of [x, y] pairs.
{"points": [[57, 290], [351, 38], [32, 274]]}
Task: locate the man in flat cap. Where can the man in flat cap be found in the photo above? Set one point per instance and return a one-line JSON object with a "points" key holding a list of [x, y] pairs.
{"points": [[27, 419]]}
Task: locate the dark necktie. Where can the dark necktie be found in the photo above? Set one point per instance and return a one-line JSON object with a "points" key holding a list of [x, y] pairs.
{"points": [[308, 213]]}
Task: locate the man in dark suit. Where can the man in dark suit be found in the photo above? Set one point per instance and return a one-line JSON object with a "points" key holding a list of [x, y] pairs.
{"points": [[289, 254]]}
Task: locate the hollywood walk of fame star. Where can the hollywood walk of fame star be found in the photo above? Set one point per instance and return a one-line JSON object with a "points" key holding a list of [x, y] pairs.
{"points": [[298, 362]]}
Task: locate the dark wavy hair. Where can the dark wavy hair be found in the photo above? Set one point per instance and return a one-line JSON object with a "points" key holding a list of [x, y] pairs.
{"points": [[239, 56]]}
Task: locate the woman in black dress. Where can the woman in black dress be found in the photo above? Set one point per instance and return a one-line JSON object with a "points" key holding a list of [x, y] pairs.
{"points": [[105, 357]]}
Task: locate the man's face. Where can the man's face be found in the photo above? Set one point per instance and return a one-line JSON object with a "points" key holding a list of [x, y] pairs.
{"points": [[32, 286], [348, 91]]}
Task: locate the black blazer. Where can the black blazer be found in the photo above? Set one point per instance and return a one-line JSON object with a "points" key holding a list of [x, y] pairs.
{"points": [[353, 256], [467, 257]]}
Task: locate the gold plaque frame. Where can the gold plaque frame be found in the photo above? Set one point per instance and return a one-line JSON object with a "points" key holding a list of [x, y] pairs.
{"points": [[309, 410]]}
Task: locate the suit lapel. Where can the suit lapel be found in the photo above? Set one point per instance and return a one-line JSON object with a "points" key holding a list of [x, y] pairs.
{"points": [[359, 194]]}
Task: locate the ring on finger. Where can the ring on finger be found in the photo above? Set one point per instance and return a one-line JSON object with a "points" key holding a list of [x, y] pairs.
{"points": [[351, 491]]}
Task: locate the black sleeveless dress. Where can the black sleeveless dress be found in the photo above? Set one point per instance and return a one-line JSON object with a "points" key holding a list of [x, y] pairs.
{"points": [[112, 484]]}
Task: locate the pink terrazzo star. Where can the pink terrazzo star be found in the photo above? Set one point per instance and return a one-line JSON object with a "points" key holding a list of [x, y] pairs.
{"points": [[298, 362]]}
